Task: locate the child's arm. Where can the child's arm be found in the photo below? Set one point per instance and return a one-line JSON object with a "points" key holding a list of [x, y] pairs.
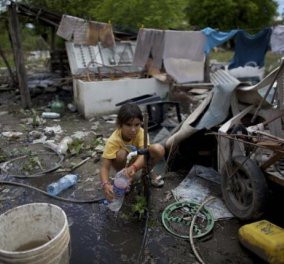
{"points": [[135, 166], [106, 185]]}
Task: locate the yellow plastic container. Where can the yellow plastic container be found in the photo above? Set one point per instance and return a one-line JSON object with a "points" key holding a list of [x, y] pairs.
{"points": [[264, 239]]}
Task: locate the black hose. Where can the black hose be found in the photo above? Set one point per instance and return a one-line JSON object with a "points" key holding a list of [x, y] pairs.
{"points": [[144, 237], [97, 200], [148, 200]]}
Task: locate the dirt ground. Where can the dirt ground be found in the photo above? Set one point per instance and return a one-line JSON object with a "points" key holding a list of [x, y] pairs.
{"points": [[97, 236]]}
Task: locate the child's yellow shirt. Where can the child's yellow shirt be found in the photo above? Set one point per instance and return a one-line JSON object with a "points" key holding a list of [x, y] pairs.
{"points": [[115, 143]]}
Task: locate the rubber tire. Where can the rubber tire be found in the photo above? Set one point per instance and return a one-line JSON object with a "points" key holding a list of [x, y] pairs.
{"points": [[249, 170]]}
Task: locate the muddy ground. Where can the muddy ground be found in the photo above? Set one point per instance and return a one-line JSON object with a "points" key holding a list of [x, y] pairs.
{"points": [[97, 235]]}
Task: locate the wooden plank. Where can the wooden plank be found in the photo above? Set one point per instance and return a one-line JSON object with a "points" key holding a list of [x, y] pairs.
{"points": [[271, 160]]}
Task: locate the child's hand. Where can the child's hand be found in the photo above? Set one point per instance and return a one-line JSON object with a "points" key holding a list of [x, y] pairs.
{"points": [[108, 191], [130, 171]]}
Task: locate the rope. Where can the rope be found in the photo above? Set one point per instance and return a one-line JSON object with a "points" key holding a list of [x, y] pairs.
{"points": [[191, 228]]}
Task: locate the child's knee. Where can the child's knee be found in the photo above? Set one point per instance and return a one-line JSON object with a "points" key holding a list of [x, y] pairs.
{"points": [[157, 150], [121, 156]]}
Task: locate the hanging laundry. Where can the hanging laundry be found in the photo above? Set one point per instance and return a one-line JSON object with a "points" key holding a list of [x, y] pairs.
{"points": [[184, 56], [93, 33], [150, 43], [98, 31], [80, 32], [250, 49], [86, 32], [277, 39], [216, 38], [67, 26]]}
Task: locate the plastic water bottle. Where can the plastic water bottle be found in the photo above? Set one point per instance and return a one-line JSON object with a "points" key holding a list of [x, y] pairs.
{"points": [[120, 185], [50, 115], [63, 183], [63, 145]]}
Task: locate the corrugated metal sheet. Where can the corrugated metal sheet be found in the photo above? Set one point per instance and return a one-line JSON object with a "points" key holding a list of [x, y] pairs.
{"points": [[223, 77]]}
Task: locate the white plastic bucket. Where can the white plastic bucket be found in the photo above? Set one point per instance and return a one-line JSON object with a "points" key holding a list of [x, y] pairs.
{"points": [[34, 233]]}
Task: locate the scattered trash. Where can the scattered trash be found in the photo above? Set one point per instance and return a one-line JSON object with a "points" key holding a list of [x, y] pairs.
{"points": [[49, 134], [52, 146], [50, 115], [110, 118], [3, 113], [35, 134], [71, 107], [57, 106], [55, 129], [34, 121], [95, 126], [12, 135], [80, 134], [41, 140], [199, 183]]}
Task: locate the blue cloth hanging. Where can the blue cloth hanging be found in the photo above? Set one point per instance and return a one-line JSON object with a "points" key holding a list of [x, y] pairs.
{"points": [[216, 38], [250, 49]]}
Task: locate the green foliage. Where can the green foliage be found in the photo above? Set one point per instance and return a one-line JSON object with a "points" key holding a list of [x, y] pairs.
{"points": [[169, 14], [17, 152], [148, 13], [31, 163], [77, 8], [139, 206], [228, 14], [76, 146], [3, 156], [129, 13]]}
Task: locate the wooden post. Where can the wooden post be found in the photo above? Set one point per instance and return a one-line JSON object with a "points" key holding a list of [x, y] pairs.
{"points": [[18, 55], [146, 170]]}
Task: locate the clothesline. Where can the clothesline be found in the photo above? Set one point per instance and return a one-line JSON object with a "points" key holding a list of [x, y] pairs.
{"points": [[182, 53]]}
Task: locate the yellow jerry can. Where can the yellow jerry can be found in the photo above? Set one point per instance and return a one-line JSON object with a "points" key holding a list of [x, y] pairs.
{"points": [[264, 239]]}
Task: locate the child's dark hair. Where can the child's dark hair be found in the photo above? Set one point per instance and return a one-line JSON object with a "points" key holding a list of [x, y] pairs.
{"points": [[128, 112]]}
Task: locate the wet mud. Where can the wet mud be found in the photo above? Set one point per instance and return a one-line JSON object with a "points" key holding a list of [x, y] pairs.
{"points": [[100, 236]]}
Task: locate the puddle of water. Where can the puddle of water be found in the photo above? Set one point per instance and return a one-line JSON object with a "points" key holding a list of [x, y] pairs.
{"points": [[96, 233], [102, 236]]}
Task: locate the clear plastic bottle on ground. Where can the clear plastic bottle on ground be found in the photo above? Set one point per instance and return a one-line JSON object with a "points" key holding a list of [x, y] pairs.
{"points": [[63, 183], [50, 115], [120, 185], [63, 145]]}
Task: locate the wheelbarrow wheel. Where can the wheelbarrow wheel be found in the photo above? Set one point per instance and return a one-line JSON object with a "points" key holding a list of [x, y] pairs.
{"points": [[244, 188]]}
